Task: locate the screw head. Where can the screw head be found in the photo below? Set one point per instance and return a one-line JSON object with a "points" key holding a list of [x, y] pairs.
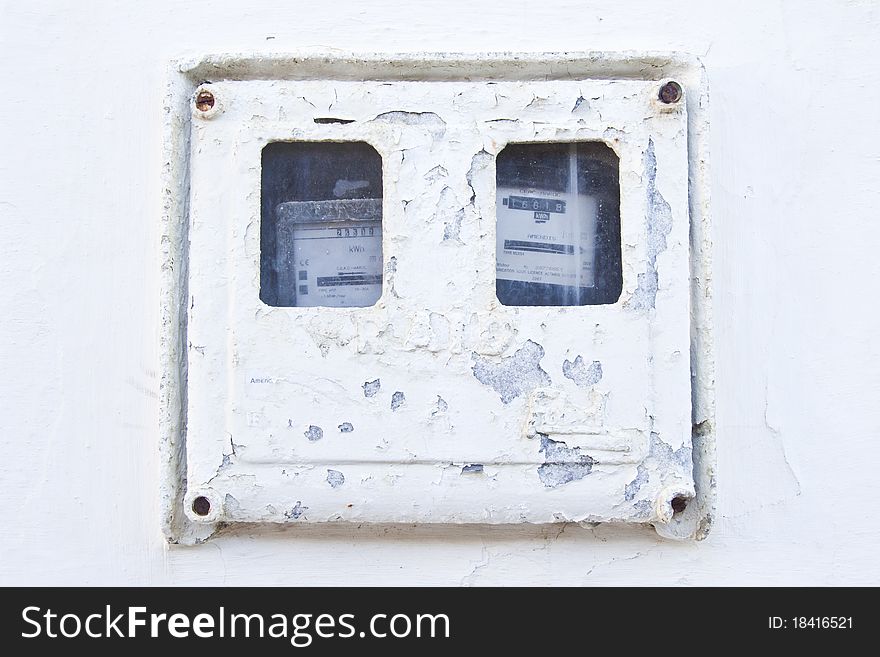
{"points": [[670, 93], [679, 504], [201, 506], [204, 101]]}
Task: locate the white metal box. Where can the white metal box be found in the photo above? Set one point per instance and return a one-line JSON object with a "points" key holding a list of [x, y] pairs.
{"points": [[438, 403]]}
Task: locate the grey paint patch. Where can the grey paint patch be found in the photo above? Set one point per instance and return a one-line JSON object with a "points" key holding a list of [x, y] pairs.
{"points": [[472, 467], [644, 508], [452, 229], [335, 478], [451, 212], [436, 173], [562, 464], [230, 505], [314, 433], [632, 488], [584, 376], [397, 400], [682, 457], [440, 406], [479, 162], [659, 225], [296, 511], [429, 120], [515, 375], [346, 427], [371, 388], [577, 104]]}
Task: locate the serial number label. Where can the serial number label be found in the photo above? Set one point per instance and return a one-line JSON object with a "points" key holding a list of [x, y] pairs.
{"points": [[810, 623]]}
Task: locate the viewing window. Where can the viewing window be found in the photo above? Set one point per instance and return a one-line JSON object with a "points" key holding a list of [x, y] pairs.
{"points": [[558, 225], [321, 229]]}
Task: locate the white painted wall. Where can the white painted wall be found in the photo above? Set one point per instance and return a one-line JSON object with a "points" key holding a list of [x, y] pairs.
{"points": [[796, 184]]}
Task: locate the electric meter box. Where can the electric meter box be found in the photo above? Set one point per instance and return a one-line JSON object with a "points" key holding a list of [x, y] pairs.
{"points": [[436, 289]]}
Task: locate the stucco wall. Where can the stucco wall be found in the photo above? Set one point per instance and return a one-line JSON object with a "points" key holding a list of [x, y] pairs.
{"points": [[795, 171]]}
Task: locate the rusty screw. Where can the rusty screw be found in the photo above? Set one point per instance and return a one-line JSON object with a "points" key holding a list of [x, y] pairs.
{"points": [[204, 101], [201, 506], [670, 92]]}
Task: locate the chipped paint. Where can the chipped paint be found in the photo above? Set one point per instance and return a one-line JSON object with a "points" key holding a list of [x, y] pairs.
{"points": [[487, 387], [335, 478], [583, 375], [514, 375], [562, 464], [371, 388], [659, 224]]}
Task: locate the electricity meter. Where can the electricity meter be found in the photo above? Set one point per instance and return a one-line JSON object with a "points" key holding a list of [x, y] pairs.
{"points": [[558, 230]]}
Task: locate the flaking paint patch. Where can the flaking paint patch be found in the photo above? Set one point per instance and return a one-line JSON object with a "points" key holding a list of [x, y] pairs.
{"points": [[644, 508], [441, 406], [397, 400], [515, 375], [371, 388], [429, 120], [562, 464], [335, 478], [659, 220], [663, 452], [475, 468], [230, 505], [296, 512], [314, 433], [632, 488], [346, 427], [583, 375]]}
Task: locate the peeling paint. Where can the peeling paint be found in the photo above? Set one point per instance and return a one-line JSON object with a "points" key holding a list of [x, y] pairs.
{"points": [[663, 452], [562, 464], [335, 478], [659, 222], [583, 376], [438, 321], [314, 433], [230, 505], [371, 388], [296, 512], [515, 375], [632, 488], [440, 407]]}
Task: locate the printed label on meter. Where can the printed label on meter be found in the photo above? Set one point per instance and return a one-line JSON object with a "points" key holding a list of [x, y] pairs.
{"points": [[338, 263], [546, 237]]}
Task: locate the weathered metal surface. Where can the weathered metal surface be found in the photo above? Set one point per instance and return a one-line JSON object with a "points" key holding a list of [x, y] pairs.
{"points": [[438, 404]]}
